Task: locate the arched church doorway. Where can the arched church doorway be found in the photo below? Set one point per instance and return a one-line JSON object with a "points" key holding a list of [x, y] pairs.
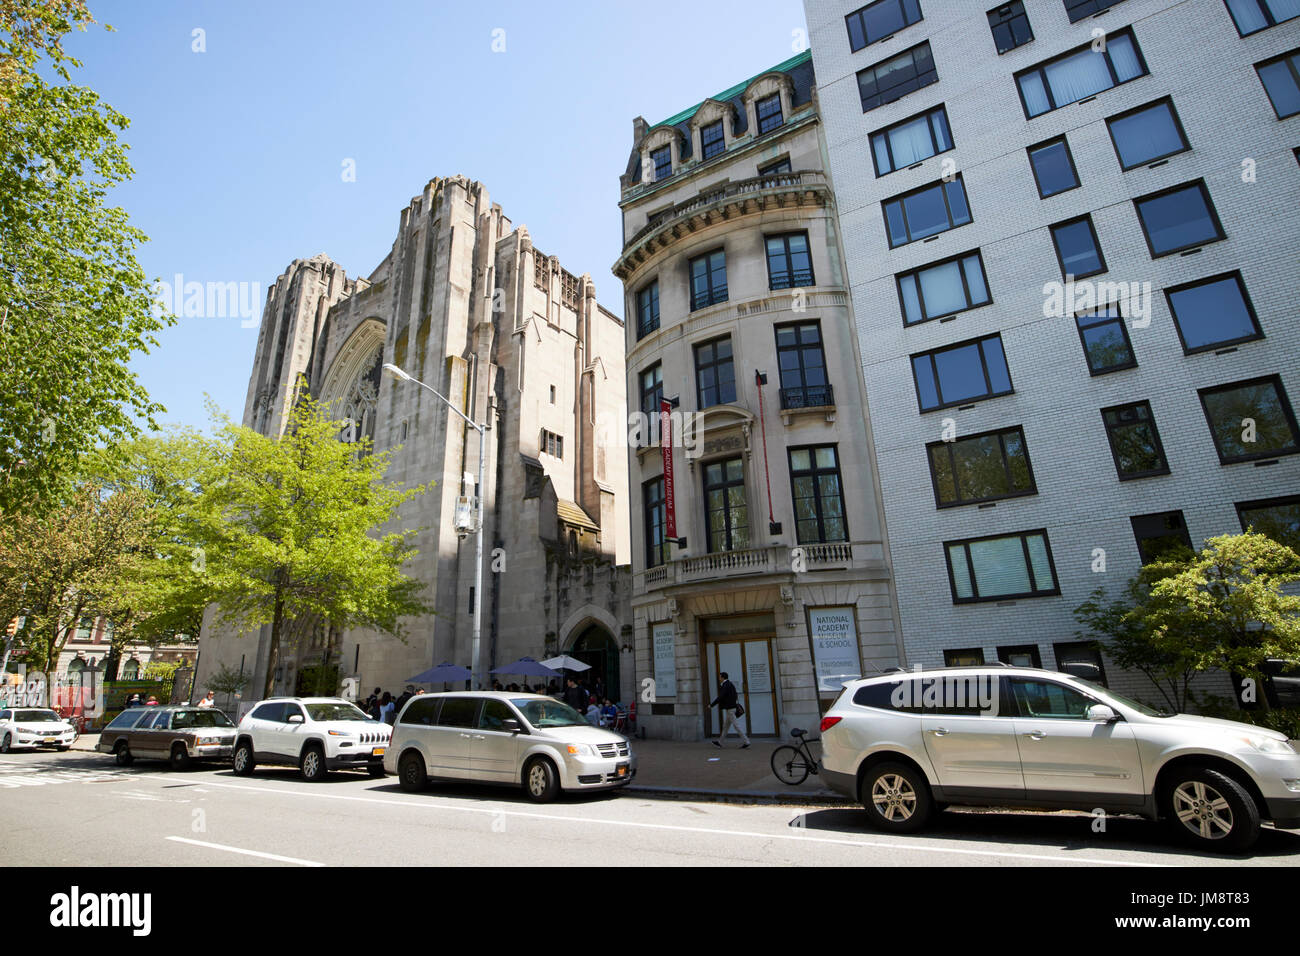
{"points": [[595, 646]]}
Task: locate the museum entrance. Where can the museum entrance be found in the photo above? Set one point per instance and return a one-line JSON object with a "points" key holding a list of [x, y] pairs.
{"points": [[595, 646], [742, 648]]}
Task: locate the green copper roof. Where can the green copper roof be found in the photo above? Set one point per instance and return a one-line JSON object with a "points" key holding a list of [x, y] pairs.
{"points": [[736, 90]]}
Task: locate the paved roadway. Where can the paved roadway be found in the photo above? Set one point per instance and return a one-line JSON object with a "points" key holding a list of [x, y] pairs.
{"points": [[81, 809]]}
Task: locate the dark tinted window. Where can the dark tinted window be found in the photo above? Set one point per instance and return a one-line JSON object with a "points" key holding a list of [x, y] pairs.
{"points": [[1077, 248], [1040, 699], [495, 714], [1053, 167], [712, 140], [1278, 518], [422, 711], [1213, 312], [926, 212], [153, 720], [1251, 16], [1159, 535], [1178, 219], [1281, 79], [980, 468], [1010, 26], [961, 373], [206, 717], [269, 712], [896, 77], [1105, 340], [295, 710], [884, 696], [878, 20], [1134, 441], [458, 712], [1251, 419], [1146, 134], [775, 169], [1079, 9], [715, 374], [127, 719], [769, 113]]}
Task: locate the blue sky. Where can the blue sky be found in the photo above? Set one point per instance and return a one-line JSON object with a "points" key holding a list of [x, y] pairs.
{"points": [[239, 150]]}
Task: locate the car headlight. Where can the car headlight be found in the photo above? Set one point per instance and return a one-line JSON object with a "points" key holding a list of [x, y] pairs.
{"points": [[582, 750], [1268, 745], [339, 733]]}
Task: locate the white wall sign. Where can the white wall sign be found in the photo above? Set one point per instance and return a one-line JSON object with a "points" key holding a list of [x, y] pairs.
{"points": [[664, 640], [834, 635]]}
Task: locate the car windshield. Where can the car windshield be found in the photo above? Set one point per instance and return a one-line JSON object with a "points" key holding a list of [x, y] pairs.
{"points": [[336, 711], [36, 716], [208, 717], [1105, 692], [549, 713]]}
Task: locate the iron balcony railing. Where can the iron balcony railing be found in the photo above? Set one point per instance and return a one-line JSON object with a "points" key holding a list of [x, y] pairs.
{"points": [[807, 396]]}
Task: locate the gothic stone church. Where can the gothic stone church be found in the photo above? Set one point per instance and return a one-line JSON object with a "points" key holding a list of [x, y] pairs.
{"points": [[465, 303]]}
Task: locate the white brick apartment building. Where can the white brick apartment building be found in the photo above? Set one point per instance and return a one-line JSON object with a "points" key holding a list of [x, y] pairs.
{"points": [[981, 152]]}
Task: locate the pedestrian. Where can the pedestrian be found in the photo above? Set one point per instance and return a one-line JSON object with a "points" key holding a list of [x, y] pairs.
{"points": [[608, 713], [209, 700], [729, 711], [401, 701], [387, 708], [576, 697], [152, 702], [593, 714]]}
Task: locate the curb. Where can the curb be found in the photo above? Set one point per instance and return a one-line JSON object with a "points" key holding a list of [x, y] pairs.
{"points": [[741, 796]]}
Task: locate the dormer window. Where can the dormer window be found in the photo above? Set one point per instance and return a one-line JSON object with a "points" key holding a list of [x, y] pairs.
{"points": [[769, 113], [712, 140], [662, 158]]}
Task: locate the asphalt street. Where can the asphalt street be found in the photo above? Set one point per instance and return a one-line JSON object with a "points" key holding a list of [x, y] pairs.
{"points": [[81, 809]]}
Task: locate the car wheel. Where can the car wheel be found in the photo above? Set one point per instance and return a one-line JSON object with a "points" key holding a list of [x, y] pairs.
{"points": [[1211, 810], [411, 773], [60, 749], [123, 754], [180, 759], [243, 760], [897, 798], [6, 744], [540, 781], [375, 769], [312, 765]]}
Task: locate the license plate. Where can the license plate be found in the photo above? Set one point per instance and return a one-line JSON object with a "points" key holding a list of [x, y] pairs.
{"points": [[621, 770], [377, 752]]}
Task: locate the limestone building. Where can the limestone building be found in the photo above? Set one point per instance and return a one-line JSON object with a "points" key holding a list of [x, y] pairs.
{"points": [[465, 303], [776, 570]]}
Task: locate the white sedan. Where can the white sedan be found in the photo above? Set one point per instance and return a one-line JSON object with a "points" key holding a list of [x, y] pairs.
{"points": [[34, 727]]}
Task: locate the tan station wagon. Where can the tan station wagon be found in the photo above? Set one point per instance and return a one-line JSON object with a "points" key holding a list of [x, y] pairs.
{"points": [[178, 734]]}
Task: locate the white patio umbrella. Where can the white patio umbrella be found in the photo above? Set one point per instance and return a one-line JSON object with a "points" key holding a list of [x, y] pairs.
{"points": [[565, 662]]}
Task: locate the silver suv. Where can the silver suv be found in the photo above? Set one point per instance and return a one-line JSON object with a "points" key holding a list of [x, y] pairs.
{"points": [[908, 743], [315, 734]]}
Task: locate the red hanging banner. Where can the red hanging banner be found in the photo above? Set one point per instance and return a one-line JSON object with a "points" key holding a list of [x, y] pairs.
{"points": [[666, 449]]}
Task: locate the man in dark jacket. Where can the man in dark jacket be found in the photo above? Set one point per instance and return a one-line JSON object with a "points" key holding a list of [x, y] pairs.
{"points": [[576, 697], [726, 702]]}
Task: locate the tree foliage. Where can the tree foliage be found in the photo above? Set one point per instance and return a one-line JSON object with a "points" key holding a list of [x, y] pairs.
{"points": [[75, 306]]}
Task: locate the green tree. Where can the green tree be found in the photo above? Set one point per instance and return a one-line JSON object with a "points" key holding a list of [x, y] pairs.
{"points": [[75, 305], [290, 533], [226, 680]]}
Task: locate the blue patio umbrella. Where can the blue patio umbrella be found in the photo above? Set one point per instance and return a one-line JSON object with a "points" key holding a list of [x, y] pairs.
{"points": [[444, 673], [528, 667]]}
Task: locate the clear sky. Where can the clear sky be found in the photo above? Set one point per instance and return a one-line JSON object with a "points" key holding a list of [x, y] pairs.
{"points": [[239, 150]]}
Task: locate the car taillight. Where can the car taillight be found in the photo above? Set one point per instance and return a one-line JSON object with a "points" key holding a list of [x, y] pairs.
{"points": [[829, 722]]}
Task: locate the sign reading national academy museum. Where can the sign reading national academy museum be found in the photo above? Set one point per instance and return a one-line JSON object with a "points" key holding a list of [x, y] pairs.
{"points": [[834, 635]]}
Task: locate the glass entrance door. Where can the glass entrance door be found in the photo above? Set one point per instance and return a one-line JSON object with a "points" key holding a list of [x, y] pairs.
{"points": [[748, 662]]}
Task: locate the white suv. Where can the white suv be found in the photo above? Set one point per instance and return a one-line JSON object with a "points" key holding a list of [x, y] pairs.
{"points": [[907, 743], [315, 734]]}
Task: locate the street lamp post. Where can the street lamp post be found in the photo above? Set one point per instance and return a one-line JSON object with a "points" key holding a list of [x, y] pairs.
{"points": [[476, 643]]}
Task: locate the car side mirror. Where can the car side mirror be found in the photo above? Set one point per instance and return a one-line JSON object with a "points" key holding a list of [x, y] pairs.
{"points": [[295, 718], [511, 726], [1102, 714]]}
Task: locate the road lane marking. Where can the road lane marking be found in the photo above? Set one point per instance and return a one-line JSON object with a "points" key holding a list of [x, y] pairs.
{"points": [[236, 849], [798, 838]]}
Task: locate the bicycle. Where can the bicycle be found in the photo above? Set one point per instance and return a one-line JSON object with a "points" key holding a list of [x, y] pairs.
{"points": [[793, 764]]}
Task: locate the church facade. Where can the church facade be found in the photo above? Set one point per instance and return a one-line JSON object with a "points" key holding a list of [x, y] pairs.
{"points": [[465, 303]]}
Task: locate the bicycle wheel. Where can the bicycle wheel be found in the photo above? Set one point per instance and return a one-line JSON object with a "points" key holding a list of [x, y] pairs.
{"points": [[790, 765]]}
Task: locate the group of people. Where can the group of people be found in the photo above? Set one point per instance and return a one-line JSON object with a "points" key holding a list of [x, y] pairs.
{"points": [[383, 706]]}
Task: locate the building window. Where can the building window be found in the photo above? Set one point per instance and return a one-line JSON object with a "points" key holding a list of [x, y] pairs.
{"points": [[789, 263], [1134, 442], [802, 362], [944, 288], [656, 547], [552, 444], [1281, 79], [1081, 9], [1079, 74], [1020, 655], [1001, 567], [1211, 313], [911, 141], [881, 19], [1010, 26], [1105, 340], [1160, 535], [1250, 419], [712, 140], [1077, 250], [776, 168], [662, 158], [1081, 659], [957, 374], [708, 280], [768, 110], [1177, 219], [1279, 518], [652, 393], [964, 657], [552, 394], [131, 670], [647, 310], [1053, 167], [1251, 16], [896, 77], [726, 515], [818, 495], [715, 375], [1147, 134], [926, 212], [983, 467]]}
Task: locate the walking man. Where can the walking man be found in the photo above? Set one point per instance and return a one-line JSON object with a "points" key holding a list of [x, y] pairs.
{"points": [[730, 711]]}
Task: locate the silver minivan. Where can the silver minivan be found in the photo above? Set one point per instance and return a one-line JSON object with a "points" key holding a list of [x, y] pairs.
{"points": [[525, 740]]}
